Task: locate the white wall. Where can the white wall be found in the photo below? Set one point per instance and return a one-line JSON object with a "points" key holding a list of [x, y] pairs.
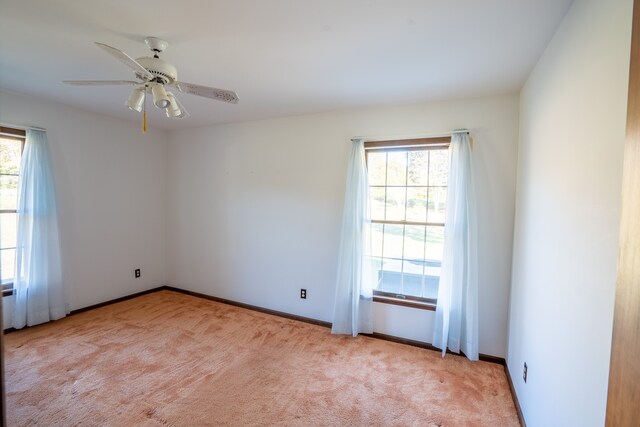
{"points": [[254, 208], [111, 187], [572, 120]]}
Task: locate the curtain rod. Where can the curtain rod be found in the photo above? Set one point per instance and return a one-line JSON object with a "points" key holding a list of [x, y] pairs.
{"points": [[22, 127], [389, 138]]}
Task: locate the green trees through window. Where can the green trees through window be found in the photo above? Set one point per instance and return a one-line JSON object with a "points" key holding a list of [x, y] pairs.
{"points": [[408, 193]]}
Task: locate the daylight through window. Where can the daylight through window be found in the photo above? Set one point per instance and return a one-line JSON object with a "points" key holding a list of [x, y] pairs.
{"points": [[408, 195], [11, 145]]}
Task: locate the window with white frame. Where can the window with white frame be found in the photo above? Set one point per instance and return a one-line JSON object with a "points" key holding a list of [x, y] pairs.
{"points": [[408, 197], [11, 146]]}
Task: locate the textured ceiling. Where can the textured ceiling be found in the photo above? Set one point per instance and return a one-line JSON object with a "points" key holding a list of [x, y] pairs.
{"points": [[282, 57]]}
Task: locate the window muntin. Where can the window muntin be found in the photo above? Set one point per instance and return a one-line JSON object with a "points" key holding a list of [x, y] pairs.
{"points": [[408, 191], [11, 146]]}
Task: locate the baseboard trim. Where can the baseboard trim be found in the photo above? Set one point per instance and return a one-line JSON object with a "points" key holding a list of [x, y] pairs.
{"points": [[94, 306], [250, 307], [514, 396], [378, 335], [427, 346], [117, 300]]}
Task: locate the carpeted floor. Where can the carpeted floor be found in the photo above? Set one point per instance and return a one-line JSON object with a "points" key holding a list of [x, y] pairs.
{"points": [[172, 359]]}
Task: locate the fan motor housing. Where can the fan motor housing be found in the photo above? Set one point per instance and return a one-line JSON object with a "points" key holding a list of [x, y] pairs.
{"points": [[159, 68]]}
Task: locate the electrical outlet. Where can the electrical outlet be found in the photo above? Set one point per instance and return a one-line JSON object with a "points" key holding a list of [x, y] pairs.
{"points": [[524, 372], [303, 293], [137, 273]]}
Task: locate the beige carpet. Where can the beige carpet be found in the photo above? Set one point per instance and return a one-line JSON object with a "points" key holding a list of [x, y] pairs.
{"points": [[170, 359]]}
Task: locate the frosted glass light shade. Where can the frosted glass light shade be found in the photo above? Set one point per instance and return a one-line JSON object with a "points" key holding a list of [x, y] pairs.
{"points": [[173, 110], [136, 99], [160, 98]]}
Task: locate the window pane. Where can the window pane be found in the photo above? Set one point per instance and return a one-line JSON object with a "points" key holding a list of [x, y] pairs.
{"points": [[414, 240], [435, 242], [418, 168], [433, 262], [376, 195], [377, 267], [412, 278], [434, 249], [7, 258], [413, 268], [8, 192], [376, 240], [10, 156], [393, 237], [438, 167], [397, 168], [437, 204], [377, 167], [430, 289], [396, 199], [391, 275], [417, 204], [8, 230]]}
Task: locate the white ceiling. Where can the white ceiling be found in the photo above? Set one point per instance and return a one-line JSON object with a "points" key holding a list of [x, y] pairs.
{"points": [[282, 57]]}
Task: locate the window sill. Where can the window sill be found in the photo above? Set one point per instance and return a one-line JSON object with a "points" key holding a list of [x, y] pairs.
{"points": [[404, 302]]}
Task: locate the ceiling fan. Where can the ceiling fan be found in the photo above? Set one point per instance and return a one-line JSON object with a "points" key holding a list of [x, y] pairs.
{"points": [[155, 75]]}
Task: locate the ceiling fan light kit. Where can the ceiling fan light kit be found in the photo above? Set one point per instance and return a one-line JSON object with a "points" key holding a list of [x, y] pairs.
{"points": [[154, 76], [160, 98], [136, 99], [173, 110]]}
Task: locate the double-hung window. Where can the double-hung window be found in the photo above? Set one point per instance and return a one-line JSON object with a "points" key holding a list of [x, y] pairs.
{"points": [[11, 146], [408, 197]]}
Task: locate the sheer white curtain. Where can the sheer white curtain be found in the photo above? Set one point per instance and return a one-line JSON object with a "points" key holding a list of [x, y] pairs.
{"points": [[353, 308], [38, 288], [456, 325]]}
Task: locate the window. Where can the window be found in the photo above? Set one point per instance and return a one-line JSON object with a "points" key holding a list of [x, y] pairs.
{"points": [[408, 195], [11, 145]]}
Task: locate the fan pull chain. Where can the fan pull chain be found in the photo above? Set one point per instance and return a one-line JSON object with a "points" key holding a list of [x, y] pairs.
{"points": [[144, 113]]}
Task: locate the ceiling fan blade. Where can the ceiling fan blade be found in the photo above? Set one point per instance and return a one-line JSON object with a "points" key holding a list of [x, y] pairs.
{"points": [[126, 60], [208, 92], [100, 82]]}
